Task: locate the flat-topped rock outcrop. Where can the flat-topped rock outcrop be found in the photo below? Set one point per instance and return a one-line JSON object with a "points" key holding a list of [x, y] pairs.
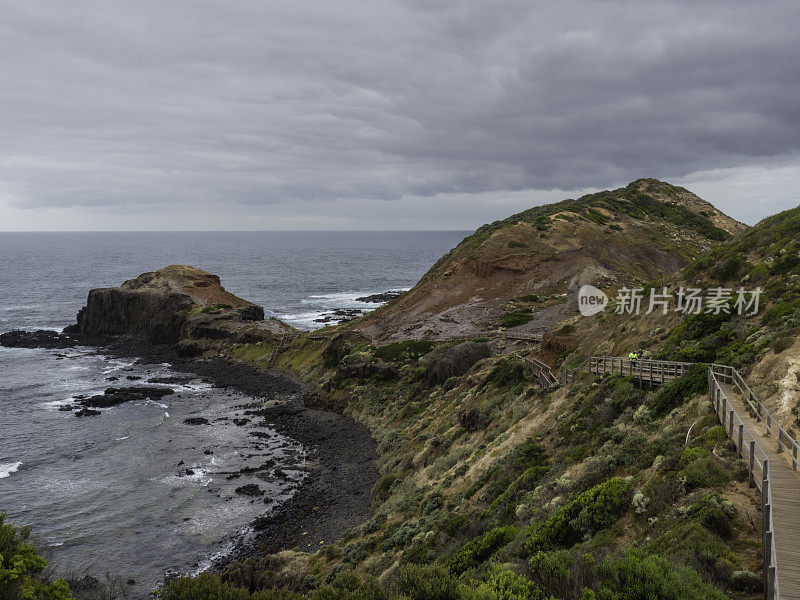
{"points": [[158, 306]]}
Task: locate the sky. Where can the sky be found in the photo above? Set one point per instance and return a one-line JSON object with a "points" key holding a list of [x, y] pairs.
{"points": [[386, 114]]}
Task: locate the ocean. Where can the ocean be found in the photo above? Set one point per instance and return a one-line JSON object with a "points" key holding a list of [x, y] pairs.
{"points": [[138, 492]]}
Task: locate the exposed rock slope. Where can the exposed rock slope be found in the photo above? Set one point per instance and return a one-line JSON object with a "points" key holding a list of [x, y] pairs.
{"points": [[643, 232]]}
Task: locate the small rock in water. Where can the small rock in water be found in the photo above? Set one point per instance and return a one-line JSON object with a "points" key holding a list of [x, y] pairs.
{"points": [[379, 298], [87, 412], [196, 421]]}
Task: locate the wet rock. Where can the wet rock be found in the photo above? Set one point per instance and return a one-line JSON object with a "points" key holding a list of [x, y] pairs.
{"points": [[113, 396], [251, 489], [241, 422], [87, 412], [382, 297], [41, 338], [172, 380], [196, 421], [132, 377], [66, 408]]}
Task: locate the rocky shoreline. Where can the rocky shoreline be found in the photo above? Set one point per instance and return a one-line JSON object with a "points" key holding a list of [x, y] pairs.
{"points": [[341, 454]]}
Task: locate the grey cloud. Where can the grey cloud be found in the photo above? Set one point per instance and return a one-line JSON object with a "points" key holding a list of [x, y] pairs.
{"points": [[260, 102]]}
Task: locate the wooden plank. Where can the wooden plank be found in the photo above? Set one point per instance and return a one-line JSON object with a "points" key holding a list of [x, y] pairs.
{"points": [[785, 486]]}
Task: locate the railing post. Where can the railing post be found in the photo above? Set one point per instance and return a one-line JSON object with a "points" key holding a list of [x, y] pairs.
{"points": [[752, 463], [741, 440], [730, 423], [724, 409], [717, 393], [780, 433], [794, 457], [770, 591], [765, 510]]}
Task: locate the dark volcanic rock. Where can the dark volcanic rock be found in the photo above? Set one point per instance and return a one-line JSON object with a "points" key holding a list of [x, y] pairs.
{"points": [[156, 306], [251, 489], [41, 338], [380, 298], [196, 421], [86, 412], [172, 379], [113, 396]]}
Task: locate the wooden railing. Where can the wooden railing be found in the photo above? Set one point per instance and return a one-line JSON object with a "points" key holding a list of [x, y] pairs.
{"points": [[652, 371], [542, 371], [746, 445], [757, 461], [760, 412]]}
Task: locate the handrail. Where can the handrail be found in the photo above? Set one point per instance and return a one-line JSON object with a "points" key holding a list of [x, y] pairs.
{"points": [[728, 417], [761, 413], [658, 371], [542, 371], [735, 428]]}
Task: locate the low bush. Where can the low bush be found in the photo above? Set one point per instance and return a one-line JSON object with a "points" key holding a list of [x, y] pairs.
{"points": [[415, 582], [636, 575], [21, 568], [405, 351], [516, 318], [593, 510], [679, 390], [477, 550]]}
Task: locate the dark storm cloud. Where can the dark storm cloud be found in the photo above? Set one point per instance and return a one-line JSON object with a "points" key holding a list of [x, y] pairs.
{"points": [[257, 102]]}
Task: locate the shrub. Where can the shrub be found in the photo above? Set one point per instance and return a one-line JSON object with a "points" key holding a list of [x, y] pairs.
{"points": [[516, 244], [508, 585], [348, 586], [679, 390], [777, 311], [516, 318], [478, 549], [593, 510], [415, 582], [21, 568], [703, 472], [782, 344], [508, 371], [636, 575], [403, 351], [209, 586]]}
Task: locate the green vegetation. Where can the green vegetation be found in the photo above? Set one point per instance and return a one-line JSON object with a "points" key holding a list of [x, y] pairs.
{"points": [[588, 513], [516, 244], [630, 201], [201, 310], [21, 568], [403, 351], [516, 318]]}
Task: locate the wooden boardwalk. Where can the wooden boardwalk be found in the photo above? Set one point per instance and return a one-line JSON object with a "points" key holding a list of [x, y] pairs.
{"points": [[769, 451], [653, 372], [784, 484]]}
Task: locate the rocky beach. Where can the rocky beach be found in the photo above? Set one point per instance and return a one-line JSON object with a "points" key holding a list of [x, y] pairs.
{"points": [[176, 317]]}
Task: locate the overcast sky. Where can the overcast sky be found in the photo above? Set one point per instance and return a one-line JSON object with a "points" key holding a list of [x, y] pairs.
{"points": [[257, 114]]}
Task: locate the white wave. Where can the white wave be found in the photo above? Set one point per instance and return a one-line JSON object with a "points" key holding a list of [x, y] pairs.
{"points": [[55, 404], [149, 402], [6, 469], [119, 439]]}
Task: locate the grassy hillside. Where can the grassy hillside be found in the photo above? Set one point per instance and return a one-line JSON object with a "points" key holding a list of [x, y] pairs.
{"points": [[493, 487], [531, 260]]}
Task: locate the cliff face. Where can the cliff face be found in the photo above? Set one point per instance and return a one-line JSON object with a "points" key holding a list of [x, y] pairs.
{"points": [[159, 306]]}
